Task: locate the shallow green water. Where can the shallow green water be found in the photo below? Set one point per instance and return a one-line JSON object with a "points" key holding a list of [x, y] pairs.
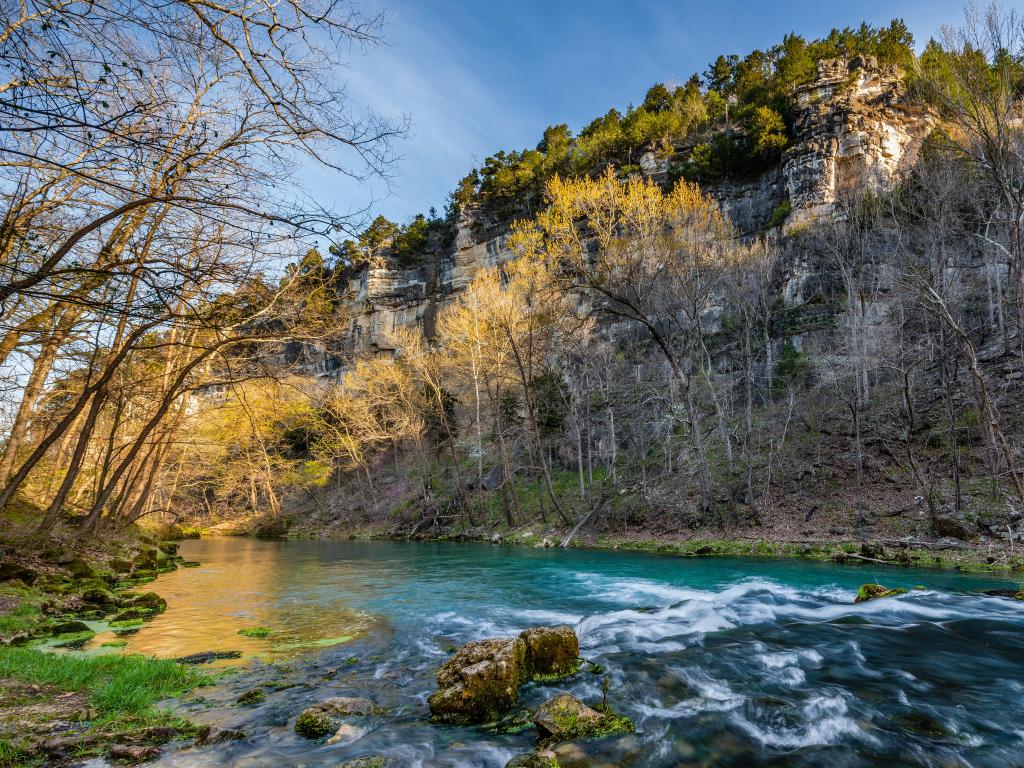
{"points": [[723, 662]]}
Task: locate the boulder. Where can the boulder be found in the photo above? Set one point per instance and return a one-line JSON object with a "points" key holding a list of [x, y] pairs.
{"points": [[342, 706], [314, 723], [80, 569], [480, 682], [99, 596], [120, 566], [564, 717], [551, 652], [150, 601], [542, 758], [252, 696], [133, 753], [954, 527], [11, 571], [366, 762], [69, 628], [875, 591]]}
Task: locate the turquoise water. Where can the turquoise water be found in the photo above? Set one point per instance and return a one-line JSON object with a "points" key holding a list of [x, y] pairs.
{"points": [[721, 662]]}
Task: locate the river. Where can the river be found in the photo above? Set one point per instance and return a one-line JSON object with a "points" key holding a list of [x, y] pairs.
{"points": [[720, 662]]}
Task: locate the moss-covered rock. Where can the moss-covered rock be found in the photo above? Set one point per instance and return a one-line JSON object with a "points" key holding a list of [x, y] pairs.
{"points": [[252, 696], [314, 723], [366, 762], [551, 652], [539, 759], [342, 706], [149, 601], [119, 566], [480, 682], [12, 571], [68, 628], [564, 717], [129, 614], [875, 591], [99, 596], [80, 569]]}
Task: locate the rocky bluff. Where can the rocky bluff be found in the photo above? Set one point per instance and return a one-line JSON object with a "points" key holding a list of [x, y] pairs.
{"points": [[856, 128]]}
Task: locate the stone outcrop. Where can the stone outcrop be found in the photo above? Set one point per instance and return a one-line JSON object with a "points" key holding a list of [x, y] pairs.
{"points": [[857, 130]]}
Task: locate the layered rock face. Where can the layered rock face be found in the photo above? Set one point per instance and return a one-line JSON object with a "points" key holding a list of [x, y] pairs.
{"points": [[857, 128]]}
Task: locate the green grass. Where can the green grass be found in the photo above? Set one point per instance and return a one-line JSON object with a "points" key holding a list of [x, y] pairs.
{"points": [[26, 615], [259, 632], [14, 756], [116, 685]]}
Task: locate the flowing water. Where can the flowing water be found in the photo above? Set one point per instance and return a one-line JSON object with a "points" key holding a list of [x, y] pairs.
{"points": [[720, 662]]}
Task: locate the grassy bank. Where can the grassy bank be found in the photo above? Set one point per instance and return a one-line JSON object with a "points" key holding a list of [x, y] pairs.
{"points": [[107, 700]]}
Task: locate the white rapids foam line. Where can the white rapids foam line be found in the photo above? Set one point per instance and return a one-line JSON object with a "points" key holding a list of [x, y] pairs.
{"points": [[826, 722]]}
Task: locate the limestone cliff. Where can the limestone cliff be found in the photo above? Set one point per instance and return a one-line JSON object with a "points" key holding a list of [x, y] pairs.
{"points": [[856, 128]]}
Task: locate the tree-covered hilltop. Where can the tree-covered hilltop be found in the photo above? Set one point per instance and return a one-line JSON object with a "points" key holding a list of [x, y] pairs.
{"points": [[733, 120]]}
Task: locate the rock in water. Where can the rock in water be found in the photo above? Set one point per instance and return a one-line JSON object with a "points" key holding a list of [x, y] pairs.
{"points": [[346, 734], [314, 723], [347, 705], [564, 717], [551, 651], [875, 591], [480, 682], [212, 734], [540, 759]]}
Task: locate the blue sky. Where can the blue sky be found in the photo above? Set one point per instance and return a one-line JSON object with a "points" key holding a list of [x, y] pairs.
{"points": [[481, 75]]}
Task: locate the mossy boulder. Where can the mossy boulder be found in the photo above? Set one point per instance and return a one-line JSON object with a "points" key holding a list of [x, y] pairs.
{"points": [[252, 696], [69, 628], [540, 759], [129, 614], [564, 717], [551, 652], [120, 566], [80, 569], [12, 571], [480, 682], [314, 723], [875, 591], [366, 762], [99, 596], [149, 601]]}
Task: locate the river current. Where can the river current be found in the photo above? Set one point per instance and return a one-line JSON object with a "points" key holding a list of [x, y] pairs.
{"points": [[720, 662]]}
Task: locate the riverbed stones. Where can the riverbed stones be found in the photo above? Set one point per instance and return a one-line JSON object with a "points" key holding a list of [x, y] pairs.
{"points": [[564, 717], [875, 591], [481, 681], [321, 719], [542, 758]]}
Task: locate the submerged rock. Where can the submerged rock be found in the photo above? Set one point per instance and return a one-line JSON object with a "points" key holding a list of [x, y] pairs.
{"points": [[321, 719], [564, 717], [211, 734], [1012, 594], [540, 759], [875, 591], [480, 682], [347, 734], [252, 696]]}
